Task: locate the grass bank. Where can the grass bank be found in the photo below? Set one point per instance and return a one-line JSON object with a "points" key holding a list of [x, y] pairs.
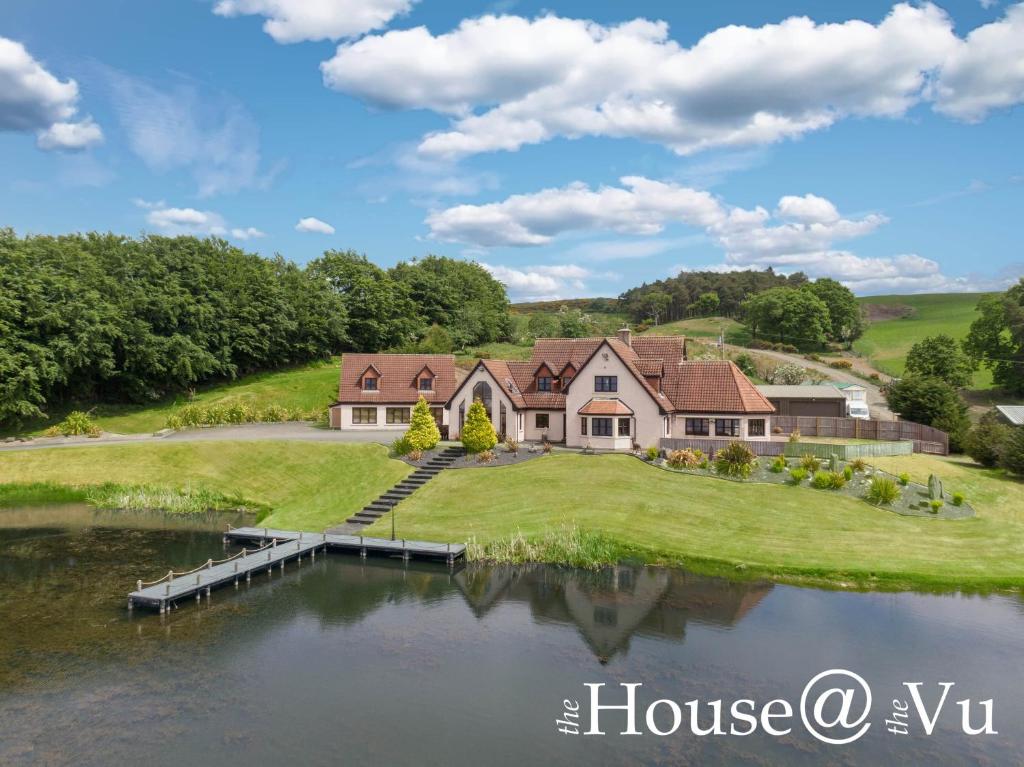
{"points": [[789, 534], [304, 485], [39, 493], [704, 327], [902, 321], [301, 388]]}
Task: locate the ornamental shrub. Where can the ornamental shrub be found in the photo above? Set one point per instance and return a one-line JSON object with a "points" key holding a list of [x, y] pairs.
{"points": [[796, 476], [848, 473], [935, 505], [841, 364], [958, 499], [735, 460], [414, 454], [778, 465], [904, 478], [810, 462], [882, 490], [511, 445], [828, 480], [858, 464], [76, 424], [478, 433], [652, 453], [401, 446], [686, 458], [423, 433], [485, 456], [794, 436]]}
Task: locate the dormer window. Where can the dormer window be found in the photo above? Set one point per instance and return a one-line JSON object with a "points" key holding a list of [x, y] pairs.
{"points": [[369, 383], [566, 380], [543, 383], [426, 383]]}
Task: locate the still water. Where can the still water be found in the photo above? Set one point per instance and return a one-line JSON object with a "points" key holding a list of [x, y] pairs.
{"points": [[375, 663]]}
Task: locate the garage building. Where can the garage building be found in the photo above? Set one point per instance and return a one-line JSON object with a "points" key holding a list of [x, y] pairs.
{"points": [[825, 401]]}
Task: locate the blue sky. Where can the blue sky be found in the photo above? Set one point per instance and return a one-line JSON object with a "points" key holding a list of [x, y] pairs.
{"points": [[574, 148]]}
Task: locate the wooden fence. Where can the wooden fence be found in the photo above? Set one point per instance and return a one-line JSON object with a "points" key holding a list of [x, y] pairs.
{"points": [[848, 451], [712, 446], [926, 439]]}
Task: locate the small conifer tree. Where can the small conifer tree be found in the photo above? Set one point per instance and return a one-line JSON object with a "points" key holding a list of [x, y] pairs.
{"points": [[478, 433], [423, 433]]}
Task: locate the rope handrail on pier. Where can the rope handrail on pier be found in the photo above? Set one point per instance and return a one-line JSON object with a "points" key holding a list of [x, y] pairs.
{"points": [[171, 575]]}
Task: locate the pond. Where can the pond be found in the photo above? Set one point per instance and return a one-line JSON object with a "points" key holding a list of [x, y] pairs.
{"points": [[341, 661]]}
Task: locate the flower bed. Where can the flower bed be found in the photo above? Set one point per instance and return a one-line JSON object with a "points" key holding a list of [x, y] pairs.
{"points": [[913, 500]]}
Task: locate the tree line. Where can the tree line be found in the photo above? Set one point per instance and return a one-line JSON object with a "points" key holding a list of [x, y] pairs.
{"points": [[698, 294], [104, 317]]}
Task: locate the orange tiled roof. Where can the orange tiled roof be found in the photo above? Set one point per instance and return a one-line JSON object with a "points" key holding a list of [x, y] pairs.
{"points": [[397, 381], [714, 386], [605, 407], [701, 387]]}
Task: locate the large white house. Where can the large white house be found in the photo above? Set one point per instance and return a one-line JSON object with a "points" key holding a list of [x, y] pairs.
{"points": [[604, 393], [613, 393]]}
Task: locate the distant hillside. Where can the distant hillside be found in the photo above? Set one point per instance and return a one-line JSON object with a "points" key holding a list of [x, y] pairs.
{"points": [[895, 323], [589, 305]]}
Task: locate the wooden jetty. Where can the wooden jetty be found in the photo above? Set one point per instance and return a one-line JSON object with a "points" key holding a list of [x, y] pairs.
{"points": [[275, 548]]}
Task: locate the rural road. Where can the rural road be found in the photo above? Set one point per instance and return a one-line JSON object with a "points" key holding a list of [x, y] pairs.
{"points": [[876, 401], [247, 432]]}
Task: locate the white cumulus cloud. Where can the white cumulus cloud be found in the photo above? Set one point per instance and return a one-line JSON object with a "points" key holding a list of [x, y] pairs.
{"points": [[802, 234], [315, 225], [70, 136], [292, 21], [507, 81], [173, 221], [33, 99], [541, 283]]}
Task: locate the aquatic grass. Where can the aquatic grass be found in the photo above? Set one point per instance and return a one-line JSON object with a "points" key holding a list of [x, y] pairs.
{"points": [[185, 500], [568, 545], [38, 493]]}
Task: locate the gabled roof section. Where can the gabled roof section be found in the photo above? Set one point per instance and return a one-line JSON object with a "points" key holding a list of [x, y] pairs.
{"points": [[715, 386], [630, 358], [398, 374], [369, 367], [605, 407], [502, 377]]}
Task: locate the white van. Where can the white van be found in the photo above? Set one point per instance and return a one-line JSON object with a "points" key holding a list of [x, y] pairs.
{"points": [[858, 410]]}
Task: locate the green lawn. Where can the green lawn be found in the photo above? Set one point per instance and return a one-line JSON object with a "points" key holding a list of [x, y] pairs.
{"points": [[886, 342], [704, 327], [306, 387], [796, 534], [308, 485]]}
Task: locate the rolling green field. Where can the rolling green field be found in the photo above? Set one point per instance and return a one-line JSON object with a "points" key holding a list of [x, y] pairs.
{"points": [[793, 534], [307, 485], [886, 341], [704, 327], [306, 387]]}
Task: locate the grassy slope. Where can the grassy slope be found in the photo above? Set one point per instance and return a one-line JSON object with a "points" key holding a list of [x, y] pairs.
{"points": [[307, 387], [795, 534], [887, 342], [309, 485], [704, 327]]}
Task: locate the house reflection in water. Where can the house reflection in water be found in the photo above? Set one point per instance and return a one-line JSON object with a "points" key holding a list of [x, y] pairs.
{"points": [[610, 605]]}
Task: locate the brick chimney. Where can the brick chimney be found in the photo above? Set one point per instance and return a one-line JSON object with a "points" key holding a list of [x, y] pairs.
{"points": [[625, 336]]}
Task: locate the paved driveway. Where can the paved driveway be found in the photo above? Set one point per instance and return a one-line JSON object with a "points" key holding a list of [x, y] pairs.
{"points": [[243, 432]]}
